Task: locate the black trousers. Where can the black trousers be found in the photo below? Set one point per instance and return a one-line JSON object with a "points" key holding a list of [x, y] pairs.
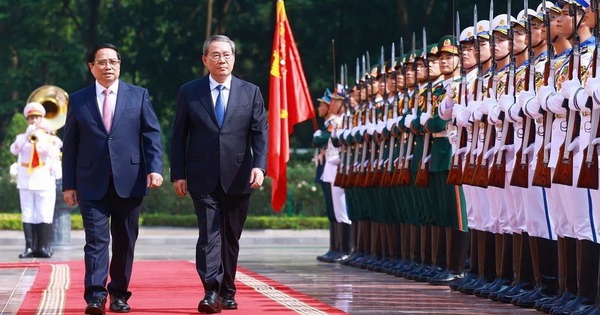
{"points": [[119, 217], [221, 218]]}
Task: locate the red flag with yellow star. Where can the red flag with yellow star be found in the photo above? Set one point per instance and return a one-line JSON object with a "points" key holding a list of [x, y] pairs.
{"points": [[289, 103]]}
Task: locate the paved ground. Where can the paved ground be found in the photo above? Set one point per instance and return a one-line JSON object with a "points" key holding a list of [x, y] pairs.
{"points": [[285, 256]]}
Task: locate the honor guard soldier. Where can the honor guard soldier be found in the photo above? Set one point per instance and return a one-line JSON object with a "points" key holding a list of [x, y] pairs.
{"points": [[450, 201], [36, 182], [320, 141], [342, 224]]}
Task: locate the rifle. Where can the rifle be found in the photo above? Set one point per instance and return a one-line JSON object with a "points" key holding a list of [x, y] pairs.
{"points": [[353, 167], [378, 170], [497, 177], [339, 176], [404, 175], [563, 173], [469, 171], [541, 174], [455, 173], [360, 166], [367, 165], [481, 175], [588, 174], [399, 163], [388, 173], [520, 175], [422, 179]]}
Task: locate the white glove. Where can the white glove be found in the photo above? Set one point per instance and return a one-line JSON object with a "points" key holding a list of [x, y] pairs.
{"points": [[408, 120], [543, 93], [370, 129], [317, 133], [461, 151], [30, 129], [380, 127], [493, 114], [529, 149], [489, 153], [486, 104], [554, 104], [346, 133], [462, 118], [505, 102], [474, 108], [524, 97], [574, 145], [595, 141], [424, 118], [427, 158], [390, 124], [568, 87], [532, 108], [457, 109], [333, 123], [592, 88], [509, 149], [362, 129], [398, 119]]}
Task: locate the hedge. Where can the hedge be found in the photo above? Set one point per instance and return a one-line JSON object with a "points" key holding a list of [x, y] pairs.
{"points": [[12, 221]]}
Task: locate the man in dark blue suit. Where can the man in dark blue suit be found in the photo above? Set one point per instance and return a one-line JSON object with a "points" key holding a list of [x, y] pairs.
{"points": [[219, 155], [112, 154]]}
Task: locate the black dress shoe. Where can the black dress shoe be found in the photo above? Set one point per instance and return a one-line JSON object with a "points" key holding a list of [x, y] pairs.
{"points": [[96, 306], [228, 304], [210, 304], [119, 304]]}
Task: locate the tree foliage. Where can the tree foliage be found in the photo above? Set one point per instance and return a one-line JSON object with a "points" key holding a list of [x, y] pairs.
{"points": [[45, 41]]}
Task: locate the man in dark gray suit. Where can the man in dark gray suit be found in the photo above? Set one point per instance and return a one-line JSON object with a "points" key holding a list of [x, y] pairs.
{"points": [[112, 154], [219, 155]]}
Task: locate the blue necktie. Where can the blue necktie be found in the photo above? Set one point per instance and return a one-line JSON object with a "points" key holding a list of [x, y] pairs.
{"points": [[220, 106]]}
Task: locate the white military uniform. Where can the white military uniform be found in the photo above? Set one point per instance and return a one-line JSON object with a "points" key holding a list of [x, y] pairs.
{"points": [[37, 183], [332, 161]]}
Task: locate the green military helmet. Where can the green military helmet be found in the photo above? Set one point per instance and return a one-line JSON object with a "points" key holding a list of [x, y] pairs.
{"points": [[448, 44], [412, 57], [400, 60], [432, 50], [391, 65], [375, 72]]}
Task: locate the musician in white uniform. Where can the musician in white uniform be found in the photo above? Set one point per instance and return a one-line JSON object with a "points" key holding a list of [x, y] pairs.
{"points": [[36, 181]]}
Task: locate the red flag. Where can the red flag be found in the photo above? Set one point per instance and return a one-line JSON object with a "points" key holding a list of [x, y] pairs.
{"points": [[289, 103]]}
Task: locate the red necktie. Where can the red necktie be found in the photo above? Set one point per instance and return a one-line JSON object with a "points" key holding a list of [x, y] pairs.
{"points": [[106, 111]]}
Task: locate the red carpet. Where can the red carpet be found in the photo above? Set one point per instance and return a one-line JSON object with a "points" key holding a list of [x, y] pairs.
{"points": [[162, 287]]}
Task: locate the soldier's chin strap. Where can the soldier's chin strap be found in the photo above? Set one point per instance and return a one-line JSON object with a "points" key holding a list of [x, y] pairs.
{"points": [[505, 56], [540, 43], [522, 51]]}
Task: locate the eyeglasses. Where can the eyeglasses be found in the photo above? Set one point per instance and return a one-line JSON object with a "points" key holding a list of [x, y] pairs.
{"points": [[217, 56], [103, 63]]}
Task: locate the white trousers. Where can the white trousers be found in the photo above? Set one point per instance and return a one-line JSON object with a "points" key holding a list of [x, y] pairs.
{"points": [[339, 205], [37, 206]]}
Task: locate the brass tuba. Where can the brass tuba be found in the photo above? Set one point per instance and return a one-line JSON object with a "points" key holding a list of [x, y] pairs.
{"points": [[55, 100]]}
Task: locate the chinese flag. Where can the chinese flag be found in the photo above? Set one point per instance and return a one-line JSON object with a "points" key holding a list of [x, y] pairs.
{"points": [[289, 103]]}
